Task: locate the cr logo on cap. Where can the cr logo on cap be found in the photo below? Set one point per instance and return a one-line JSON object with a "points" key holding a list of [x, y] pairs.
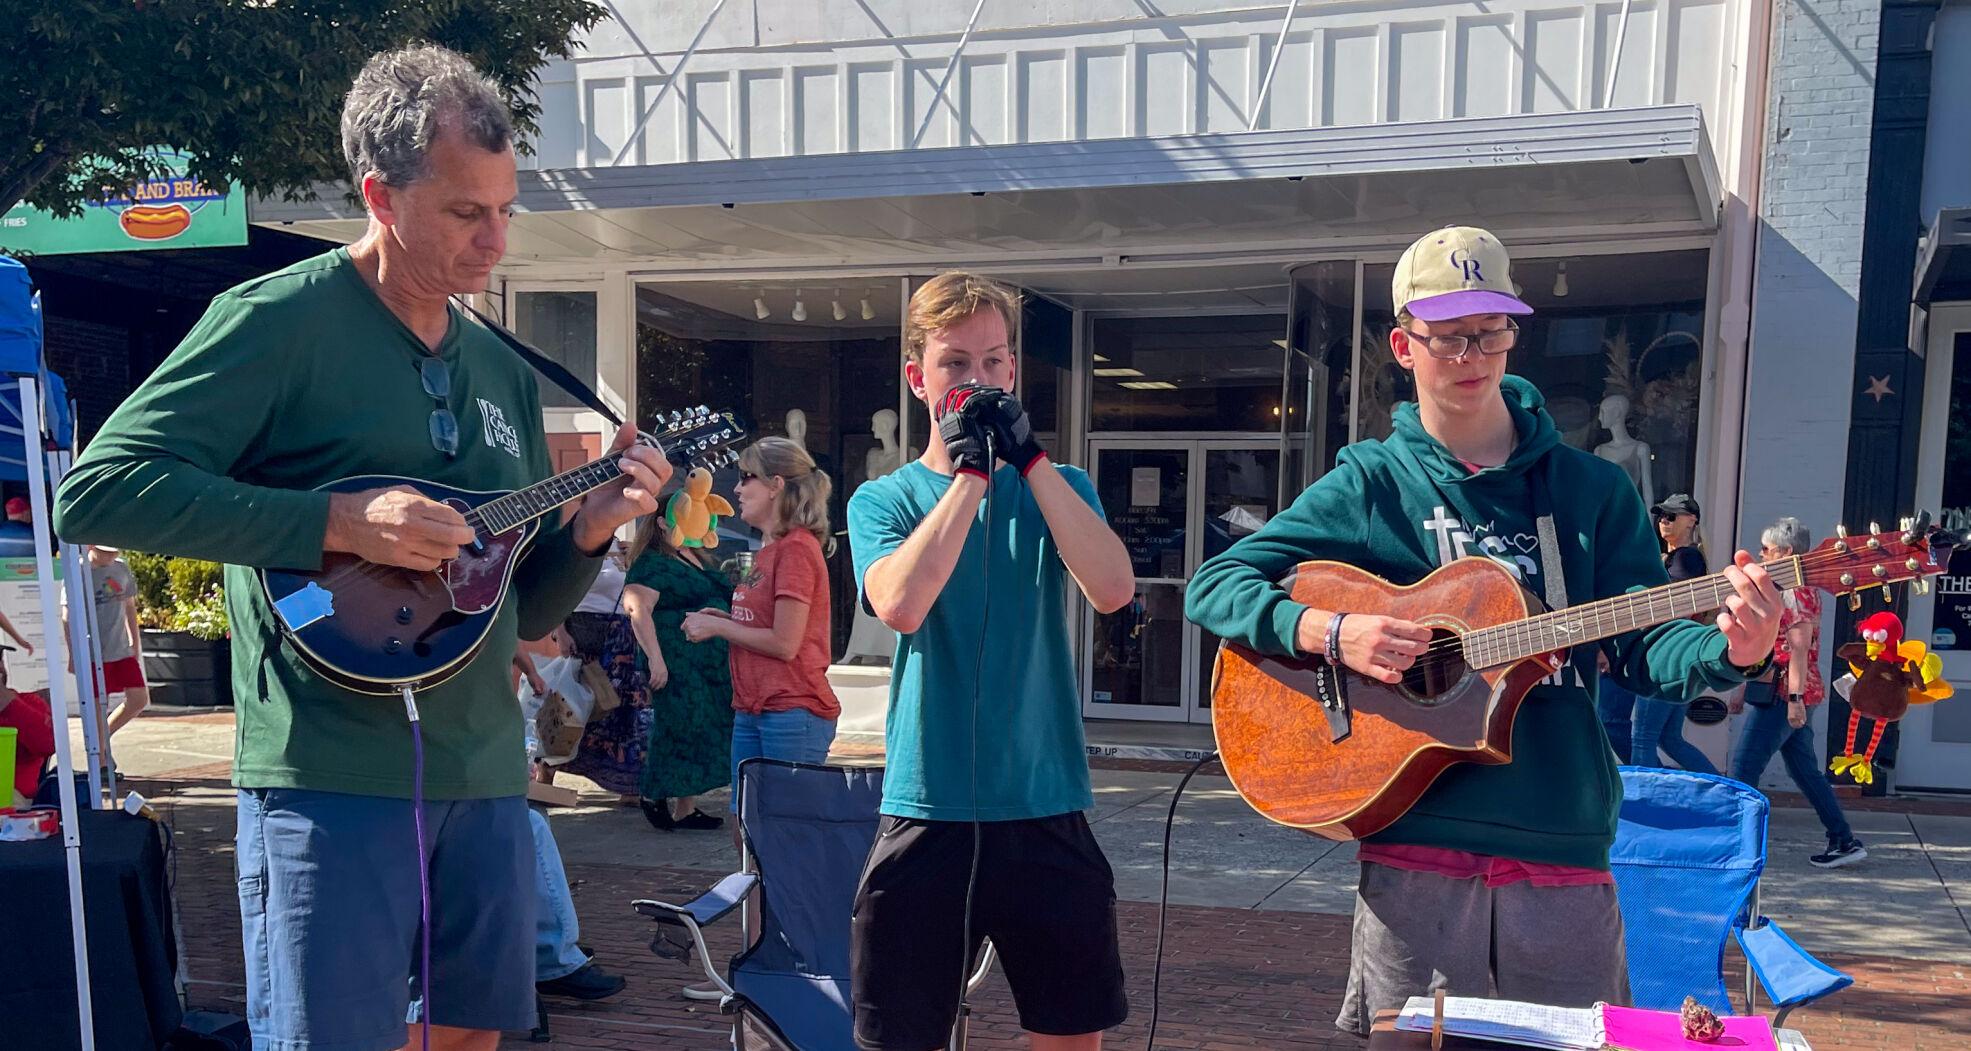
{"points": [[1468, 266]]}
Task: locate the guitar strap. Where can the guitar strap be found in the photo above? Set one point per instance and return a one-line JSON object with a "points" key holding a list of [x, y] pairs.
{"points": [[545, 365]]}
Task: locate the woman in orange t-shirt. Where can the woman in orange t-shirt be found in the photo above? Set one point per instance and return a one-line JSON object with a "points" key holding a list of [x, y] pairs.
{"points": [[783, 707]]}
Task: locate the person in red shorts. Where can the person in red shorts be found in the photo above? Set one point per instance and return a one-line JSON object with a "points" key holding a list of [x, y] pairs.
{"points": [[119, 638]]}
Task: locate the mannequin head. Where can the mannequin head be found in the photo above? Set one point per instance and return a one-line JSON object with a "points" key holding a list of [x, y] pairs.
{"points": [[1615, 412], [797, 426], [883, 424]]}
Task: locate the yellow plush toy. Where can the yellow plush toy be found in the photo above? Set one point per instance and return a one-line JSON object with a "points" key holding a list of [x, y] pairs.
{"points": [[693, 512]]}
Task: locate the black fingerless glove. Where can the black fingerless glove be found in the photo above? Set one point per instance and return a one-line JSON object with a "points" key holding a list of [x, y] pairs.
{"points": [[963, 433], [1012, 432]]}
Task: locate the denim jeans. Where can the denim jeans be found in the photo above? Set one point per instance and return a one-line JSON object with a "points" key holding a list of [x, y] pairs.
{"points": [[1614, 703], [555, 927], [1765, 731], [795, 735], [1659, 724]]}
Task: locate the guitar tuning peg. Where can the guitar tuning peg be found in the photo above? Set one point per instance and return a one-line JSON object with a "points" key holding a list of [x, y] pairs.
{"points": [[1854, 602], [1841, 532], [1874, 527], [1920, 586]]}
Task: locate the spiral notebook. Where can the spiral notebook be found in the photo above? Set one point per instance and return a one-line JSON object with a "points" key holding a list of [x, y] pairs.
{"points": [[1597, 1028]]}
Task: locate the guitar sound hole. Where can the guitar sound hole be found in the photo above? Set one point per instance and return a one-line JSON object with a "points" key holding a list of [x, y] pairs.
{"points": [[1438, 671]]}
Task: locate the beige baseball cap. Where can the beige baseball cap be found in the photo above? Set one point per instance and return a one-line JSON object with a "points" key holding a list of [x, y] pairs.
{"points": [[1456, 272]]}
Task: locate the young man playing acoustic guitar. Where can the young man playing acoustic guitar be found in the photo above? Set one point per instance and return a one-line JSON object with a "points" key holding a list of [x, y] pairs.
{"points": [[349, 364], [966, 559], [1496, 882]]}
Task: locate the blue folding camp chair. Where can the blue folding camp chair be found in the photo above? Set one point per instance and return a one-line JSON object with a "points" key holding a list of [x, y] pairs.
{"points": [[1687, 859], [805, 833]]}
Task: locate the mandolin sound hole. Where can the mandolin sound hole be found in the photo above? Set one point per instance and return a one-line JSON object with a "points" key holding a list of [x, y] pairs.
{"points": [[1438, 671]]}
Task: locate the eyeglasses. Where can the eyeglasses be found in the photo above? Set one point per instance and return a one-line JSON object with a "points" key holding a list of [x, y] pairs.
{"points": [[1451, 348], [438, 384], [748, 476]]}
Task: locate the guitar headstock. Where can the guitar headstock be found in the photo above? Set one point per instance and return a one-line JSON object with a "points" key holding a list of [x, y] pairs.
{"points": [[1849, 565], [697, 437]]}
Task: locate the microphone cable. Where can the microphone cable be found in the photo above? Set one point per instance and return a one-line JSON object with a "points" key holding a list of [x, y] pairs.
{"points": [[1163, 898]]}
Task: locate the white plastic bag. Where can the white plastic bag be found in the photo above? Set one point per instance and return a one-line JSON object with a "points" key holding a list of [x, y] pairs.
{"points": [[563, 678]]}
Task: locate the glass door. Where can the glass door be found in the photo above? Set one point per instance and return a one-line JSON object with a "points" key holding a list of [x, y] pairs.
{"points": [[1137, 658], [1240, 486], [1174, 503]]}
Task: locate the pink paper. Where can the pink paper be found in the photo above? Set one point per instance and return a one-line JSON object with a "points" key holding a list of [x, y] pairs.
{"points": [[1630, 1029]]}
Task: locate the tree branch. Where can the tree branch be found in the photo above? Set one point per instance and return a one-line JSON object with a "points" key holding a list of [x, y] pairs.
{"points": [[19, 184]]}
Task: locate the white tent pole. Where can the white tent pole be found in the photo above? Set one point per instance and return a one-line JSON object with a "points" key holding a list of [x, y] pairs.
{"points": [[82, 634], [44, 569]]}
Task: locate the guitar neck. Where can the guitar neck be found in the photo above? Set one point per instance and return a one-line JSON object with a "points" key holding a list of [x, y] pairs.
{"points": [[1594, 621], [522, 506]]}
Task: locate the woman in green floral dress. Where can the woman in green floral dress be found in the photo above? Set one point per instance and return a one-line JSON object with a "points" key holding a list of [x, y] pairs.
{"points": [[689, 749]]}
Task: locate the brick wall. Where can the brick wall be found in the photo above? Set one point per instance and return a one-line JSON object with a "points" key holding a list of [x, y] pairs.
{"points": [[1808, 274], [94, 359]]}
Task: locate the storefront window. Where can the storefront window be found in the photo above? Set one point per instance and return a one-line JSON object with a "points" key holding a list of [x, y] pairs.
{"points": [[561, 325], [822, 366], [1187, 373], [1615, 345], [1320, 348], [1046, 358]]}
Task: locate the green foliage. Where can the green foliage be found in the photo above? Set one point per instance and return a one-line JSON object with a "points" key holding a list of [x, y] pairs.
{"points": [[251, 89], [180, 594]]}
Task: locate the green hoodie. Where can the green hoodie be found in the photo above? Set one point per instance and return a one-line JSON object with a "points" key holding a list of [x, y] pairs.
{"points": [[1405, 506]]}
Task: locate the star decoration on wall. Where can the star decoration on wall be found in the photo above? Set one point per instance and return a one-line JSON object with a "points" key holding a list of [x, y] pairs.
{"points": [[1878, 388]]}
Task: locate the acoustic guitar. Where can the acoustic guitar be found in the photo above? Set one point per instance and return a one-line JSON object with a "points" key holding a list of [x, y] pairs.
{"points": [[376, 629], [1344, 756]]}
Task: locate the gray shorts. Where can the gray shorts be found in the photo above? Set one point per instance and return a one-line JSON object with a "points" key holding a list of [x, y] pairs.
{"points": [[1416, 932]]}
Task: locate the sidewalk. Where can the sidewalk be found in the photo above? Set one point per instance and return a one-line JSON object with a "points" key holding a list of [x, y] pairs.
{"points": [[1258, 937]]}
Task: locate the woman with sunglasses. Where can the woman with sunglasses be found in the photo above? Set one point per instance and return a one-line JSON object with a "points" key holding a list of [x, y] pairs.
{"points": [[777, 632]]}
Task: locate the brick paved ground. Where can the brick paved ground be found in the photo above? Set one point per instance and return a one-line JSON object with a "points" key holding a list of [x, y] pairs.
{"points": [[1234, 978]]}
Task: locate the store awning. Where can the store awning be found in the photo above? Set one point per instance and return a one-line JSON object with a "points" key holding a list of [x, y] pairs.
{"points": [[1529, 177], [1943, 264]]}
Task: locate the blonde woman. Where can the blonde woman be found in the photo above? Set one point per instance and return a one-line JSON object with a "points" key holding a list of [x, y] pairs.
{"points": [[778, 628]]}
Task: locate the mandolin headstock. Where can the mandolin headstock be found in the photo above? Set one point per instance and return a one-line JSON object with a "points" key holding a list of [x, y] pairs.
{"points": [[1849, 565], [697, 437]]}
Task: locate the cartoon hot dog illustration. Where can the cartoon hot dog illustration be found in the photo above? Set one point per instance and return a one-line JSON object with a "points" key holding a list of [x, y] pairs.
{"points": [[154, 223]]}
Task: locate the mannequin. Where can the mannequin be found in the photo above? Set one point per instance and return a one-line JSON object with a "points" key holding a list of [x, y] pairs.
{"points": [[888, 455], [1624, 450], [797, 426], [870, 637]]}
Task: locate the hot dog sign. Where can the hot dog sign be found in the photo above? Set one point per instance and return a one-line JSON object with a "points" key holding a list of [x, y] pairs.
{"points": [[161, 209], [172, 210]]}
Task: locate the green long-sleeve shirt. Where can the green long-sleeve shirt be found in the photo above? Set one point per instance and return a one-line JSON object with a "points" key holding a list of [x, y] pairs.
{"points": [[1403, 507], [289, 382]]}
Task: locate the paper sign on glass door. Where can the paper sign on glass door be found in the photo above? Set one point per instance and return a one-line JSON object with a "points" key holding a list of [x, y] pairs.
{"points": [[1145, 486]]}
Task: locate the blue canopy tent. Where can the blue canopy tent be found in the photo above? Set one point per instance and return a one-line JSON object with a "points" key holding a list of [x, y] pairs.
{"points": [[37, 436]]}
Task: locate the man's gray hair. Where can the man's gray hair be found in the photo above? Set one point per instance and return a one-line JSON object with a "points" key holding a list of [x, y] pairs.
{"points": [[1789, 534], [402, 99]]}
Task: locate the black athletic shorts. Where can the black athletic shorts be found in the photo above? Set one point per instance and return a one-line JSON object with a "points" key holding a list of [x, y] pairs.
{"points": [[1045, 896]]}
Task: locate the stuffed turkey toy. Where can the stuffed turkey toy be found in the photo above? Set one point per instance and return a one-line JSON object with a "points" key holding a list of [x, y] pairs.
{"points": [[1886, 674]]}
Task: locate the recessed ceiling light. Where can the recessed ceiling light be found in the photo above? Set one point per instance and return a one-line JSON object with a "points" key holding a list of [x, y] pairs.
{"points": [[1148, 385], [1117, 372]]}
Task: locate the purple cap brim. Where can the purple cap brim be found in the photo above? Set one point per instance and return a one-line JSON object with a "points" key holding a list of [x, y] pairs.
{"points": [[1466, 303]]}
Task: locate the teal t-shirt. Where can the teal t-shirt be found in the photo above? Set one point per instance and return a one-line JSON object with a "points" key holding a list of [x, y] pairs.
{"points": [[1032, 759]]}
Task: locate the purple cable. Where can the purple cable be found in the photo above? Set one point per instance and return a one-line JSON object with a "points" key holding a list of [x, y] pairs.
{"points": [[423, 869]]}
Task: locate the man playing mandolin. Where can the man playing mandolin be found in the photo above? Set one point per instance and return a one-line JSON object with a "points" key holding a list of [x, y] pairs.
{"points": [[354, 363], [1496, 882]]}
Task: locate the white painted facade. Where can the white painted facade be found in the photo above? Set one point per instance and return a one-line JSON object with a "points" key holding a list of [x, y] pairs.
{"points": [[1185, 152]]}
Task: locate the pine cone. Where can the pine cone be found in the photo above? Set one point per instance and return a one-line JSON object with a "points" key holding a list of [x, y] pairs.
{"points": [[1699, 1023]]}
